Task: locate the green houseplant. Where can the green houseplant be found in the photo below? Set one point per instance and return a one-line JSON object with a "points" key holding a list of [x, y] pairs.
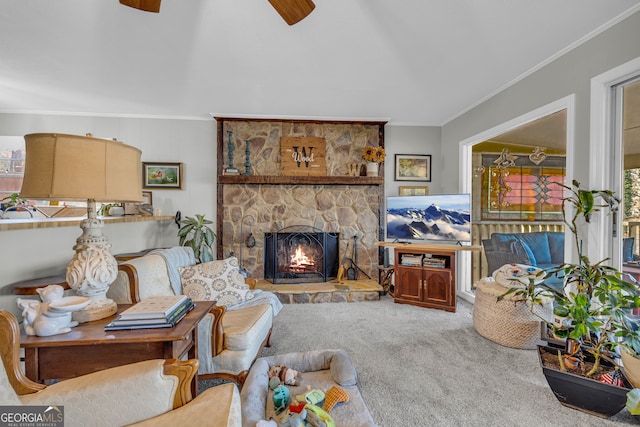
{"points": [[14, 200], [595, 302], [196, 233]]}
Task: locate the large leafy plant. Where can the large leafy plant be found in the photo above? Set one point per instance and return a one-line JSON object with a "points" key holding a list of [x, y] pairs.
{"points": [[196, 233], [595, 297]]}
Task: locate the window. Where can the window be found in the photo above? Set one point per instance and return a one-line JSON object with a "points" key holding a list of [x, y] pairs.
{"points": [[12, 155], [524, 191]]}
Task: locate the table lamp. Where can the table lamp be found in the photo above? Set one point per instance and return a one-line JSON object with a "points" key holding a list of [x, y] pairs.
{"points": [[71, 167]]}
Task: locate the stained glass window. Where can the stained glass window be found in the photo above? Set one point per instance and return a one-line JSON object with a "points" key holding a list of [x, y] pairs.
{"points": [[523, 191]]}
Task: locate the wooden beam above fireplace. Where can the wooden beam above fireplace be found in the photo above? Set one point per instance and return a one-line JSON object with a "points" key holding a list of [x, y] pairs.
{"points": [[302, 180]]}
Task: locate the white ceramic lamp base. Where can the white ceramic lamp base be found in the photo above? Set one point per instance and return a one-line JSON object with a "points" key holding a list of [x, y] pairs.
{"points": [[93, 269]]}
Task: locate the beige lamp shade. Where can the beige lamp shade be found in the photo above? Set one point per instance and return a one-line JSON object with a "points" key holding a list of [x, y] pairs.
{"points": [[72, 167]]}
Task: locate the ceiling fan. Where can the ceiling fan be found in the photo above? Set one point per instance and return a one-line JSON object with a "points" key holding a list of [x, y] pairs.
{"points": [[292, 11]]}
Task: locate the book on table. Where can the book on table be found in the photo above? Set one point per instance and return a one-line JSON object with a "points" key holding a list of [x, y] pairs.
{"points": [[161, 312], [118, 325], [154, 307]]}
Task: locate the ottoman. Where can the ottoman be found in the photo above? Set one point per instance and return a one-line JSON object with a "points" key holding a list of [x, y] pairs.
{"points": [[321, 369], [508, 322]]}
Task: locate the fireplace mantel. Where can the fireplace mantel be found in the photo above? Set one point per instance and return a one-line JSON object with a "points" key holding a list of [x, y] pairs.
{"points": [[302, 180]]}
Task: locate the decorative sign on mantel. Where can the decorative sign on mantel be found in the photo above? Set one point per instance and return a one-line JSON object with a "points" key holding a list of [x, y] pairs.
{"points": [[303, 156]]}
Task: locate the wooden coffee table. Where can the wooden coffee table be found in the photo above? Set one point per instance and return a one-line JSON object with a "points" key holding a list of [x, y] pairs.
{"points": [[89, 348]]}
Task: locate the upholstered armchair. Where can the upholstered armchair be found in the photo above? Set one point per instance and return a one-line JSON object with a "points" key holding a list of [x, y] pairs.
{"points": [[231, 337], [153, 392]]}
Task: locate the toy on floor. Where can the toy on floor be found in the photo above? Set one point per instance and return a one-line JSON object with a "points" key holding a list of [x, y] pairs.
{"points": [[318, 417], [281, 398], [314, 396], [310, 416], [283, 375], [296, 406], [293, 419], [334, 396]]}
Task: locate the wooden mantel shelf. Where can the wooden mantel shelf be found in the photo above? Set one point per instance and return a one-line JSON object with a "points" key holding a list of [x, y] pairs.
{"points": [[22, 224], [302, 180]]}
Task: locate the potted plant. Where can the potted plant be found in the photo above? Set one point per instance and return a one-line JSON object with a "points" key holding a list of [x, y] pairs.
{"points": [[196, 233], [595, 303], [111, 209], [14, 202]]}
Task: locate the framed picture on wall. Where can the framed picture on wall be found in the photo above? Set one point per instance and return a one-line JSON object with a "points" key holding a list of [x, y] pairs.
{"points": [[162, 176], [413, 167], [421, 190]]}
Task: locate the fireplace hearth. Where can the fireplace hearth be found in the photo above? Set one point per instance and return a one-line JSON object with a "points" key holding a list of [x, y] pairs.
{"points": [[300, 254]]}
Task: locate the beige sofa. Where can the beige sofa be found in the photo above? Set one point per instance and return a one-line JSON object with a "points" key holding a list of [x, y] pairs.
{"points": [[229, 338], [153, 392]]}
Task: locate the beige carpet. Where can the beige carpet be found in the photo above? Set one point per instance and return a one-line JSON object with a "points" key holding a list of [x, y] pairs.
{"points": [[423, 367]]}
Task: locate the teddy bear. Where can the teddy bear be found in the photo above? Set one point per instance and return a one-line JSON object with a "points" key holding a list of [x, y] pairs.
{"points": [[281, 374]]}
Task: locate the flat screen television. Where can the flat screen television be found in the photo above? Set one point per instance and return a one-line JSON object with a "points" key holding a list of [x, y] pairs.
{"points": [[437, 217]]}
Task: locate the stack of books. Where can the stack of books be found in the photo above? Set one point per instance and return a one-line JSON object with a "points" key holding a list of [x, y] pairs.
{"points": [[154, 312], [411, 260], [434, 262]]}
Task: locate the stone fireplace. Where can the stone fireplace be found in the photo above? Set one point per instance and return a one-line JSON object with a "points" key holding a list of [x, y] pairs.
{"points": [[300, 255], [267, 202]]}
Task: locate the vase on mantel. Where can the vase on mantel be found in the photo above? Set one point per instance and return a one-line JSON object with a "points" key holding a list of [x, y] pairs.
{"points": [[372, 168]]}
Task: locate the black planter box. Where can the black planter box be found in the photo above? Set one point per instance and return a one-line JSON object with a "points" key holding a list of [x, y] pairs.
{"points": [[582, 393]]}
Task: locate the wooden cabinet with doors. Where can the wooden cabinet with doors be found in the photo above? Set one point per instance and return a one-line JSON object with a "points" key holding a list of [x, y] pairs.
{"points": [[425, 277]]}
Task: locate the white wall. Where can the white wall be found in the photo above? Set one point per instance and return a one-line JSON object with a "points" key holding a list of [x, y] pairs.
{"points": [[568, 74], [28, 254], [412, 140]]}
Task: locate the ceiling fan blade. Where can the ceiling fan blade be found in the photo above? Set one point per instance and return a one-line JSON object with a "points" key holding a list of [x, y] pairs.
{"points": [[293, 11], [146, 5]]}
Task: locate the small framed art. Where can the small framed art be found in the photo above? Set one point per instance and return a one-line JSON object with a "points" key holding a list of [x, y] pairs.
{"points": [[167, 176], [421, 190], [413, 167]]}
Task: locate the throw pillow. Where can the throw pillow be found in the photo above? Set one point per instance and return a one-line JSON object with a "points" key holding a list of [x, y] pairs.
{"points": [[521, 249], [517, 275], [505, 246], [219, 281]]}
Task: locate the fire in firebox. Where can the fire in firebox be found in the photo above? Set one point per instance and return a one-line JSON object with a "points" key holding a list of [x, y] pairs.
{"points": [[301, 263]]}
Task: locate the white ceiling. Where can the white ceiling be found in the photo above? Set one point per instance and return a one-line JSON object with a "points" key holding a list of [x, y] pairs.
{"points": [[412, 62]]}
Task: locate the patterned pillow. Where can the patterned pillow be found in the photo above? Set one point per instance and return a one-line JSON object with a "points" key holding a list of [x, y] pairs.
{"points": [[219, 281]]}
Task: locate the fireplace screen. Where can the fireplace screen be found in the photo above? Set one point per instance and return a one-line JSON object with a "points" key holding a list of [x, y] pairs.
{"points": [[300, 255]]}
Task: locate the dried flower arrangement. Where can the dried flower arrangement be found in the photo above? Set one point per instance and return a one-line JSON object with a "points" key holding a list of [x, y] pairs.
{"points": [[373, 154]]}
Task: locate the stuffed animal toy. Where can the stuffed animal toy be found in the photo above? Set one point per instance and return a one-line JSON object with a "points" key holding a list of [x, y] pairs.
{"points": [[334, 396], [293, 419], [286, 376], [281, 398]]}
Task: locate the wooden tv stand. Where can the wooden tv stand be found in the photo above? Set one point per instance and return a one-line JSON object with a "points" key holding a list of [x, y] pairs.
{"points": [[425, 275]]}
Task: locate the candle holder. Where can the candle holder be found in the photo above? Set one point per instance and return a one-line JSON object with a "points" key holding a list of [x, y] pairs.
{"points": [[230, 170], [247, 162]]}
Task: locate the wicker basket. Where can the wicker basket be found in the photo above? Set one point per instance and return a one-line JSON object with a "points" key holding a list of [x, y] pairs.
{"points": [[507, 322]]}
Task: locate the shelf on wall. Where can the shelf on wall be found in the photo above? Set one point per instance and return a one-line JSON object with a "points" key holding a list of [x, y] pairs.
{"points": [[24, 224], [302, 180]]}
